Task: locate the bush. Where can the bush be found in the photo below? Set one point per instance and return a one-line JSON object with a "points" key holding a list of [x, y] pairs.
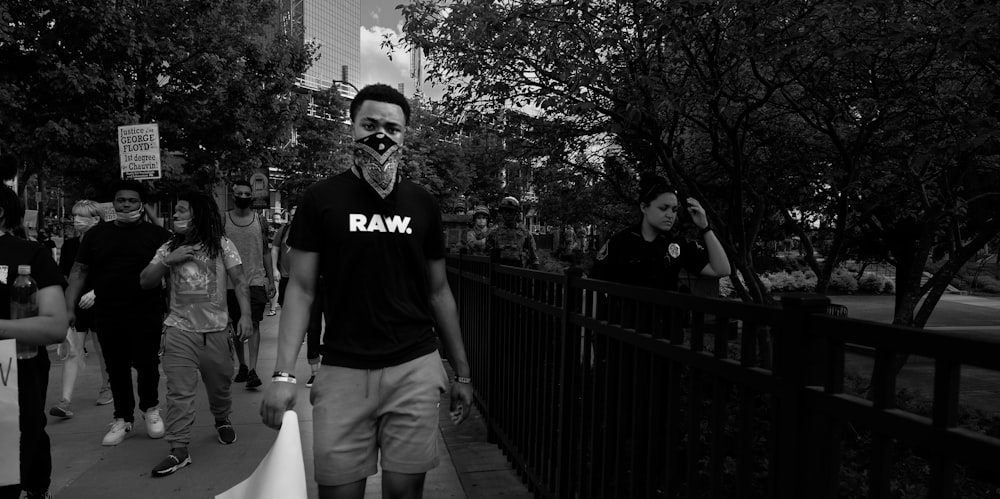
{"points": [[843, 281], [874, 283]]}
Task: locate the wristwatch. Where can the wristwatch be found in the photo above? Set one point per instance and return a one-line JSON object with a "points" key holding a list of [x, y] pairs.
{"points": [[463, 379], [706, 230]]}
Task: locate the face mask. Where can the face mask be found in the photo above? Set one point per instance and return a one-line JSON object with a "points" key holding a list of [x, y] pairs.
{"points": [[377, 159], [182, 226], [243, 203], [129, 217], [83, 224]]}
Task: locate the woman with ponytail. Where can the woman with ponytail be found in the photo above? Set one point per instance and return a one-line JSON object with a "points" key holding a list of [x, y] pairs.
{"points": [[653, 252]]}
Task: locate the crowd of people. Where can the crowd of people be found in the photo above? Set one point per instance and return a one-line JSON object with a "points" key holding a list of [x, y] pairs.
{"points": [[362, 255]]}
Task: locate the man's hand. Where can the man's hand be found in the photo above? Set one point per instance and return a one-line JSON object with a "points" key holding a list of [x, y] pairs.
{"points": [[279, 397], [244, 328], [87, 300], [461, 401], [71, 316], [270, 289], [179, 255]]}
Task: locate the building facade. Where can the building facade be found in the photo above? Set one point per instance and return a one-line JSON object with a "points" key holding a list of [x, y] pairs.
{"points": [[334, 27]]}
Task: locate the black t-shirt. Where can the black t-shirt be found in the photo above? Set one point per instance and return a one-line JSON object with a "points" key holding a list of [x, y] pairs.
{"points": [[116, 255], [628, 258], [15, 251], [373, 257]]}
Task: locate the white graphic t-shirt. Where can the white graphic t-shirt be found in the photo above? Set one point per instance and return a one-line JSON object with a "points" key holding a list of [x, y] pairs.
{"points": [[198, 289]]}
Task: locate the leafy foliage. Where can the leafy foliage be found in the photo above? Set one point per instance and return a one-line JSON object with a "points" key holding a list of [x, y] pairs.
{"points": [[215, 76], [875, 121]]}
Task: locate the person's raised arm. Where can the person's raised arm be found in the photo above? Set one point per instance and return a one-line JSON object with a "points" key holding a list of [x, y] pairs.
{"points": [[718, 262], [446, 315], [46, 328], [299, 295]]}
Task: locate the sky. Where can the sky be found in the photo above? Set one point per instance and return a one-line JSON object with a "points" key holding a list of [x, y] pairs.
{"points": [[378, 19]]}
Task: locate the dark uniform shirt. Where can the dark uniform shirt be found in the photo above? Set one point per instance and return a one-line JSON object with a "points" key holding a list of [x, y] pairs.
{"points": [[628, 258], [512, 246]]}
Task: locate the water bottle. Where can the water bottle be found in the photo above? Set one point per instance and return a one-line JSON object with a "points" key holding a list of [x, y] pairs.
{"points": [[24, 303]]}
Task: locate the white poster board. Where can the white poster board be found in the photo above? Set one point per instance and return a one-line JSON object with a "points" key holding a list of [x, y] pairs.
{"points": [[282, 472], [139, 151], [10, 431], [108, 211]]}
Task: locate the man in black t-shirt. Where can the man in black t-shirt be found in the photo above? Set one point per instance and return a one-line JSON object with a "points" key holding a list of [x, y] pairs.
{"points": [[48, 327], [375, 239], [129, 318]]}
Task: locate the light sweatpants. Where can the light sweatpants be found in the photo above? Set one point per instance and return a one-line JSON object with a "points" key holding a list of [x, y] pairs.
{"points": [[184, 355]]}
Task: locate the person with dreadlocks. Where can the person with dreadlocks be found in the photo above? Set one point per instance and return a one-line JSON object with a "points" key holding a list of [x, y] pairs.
{"points": [[196, 262]]}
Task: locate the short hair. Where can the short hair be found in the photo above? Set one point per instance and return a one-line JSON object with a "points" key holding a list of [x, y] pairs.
{"points": [[651, 186], [13, 212], [244, 182], [87, 206], [129, 184], [380, 92]]}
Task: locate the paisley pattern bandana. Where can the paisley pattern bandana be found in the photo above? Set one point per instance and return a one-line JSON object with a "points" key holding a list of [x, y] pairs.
{"points": [[377, 159]]}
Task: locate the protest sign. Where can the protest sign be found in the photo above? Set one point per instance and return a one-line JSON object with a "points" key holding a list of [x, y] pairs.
{"points": [[10, 431], [282, 473], [139, 151]]}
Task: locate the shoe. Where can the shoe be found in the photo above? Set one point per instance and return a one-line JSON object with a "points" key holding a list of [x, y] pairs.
{"points": [[227, 434], [61, 410], [241, 375], [177, 459], [309, 383], [272, 312], [104, 397], [154, 423], [252, 380], [119, 428]]}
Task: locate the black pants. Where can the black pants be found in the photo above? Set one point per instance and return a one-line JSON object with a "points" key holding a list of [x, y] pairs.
{"points": [[314, 331], [36, 454], [132, 343]]}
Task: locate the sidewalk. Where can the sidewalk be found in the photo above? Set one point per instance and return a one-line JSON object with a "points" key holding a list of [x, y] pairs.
{"points": [[83, 469]]}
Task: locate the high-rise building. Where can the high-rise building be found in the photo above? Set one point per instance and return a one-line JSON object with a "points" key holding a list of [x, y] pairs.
{"points": [[334, 26]]}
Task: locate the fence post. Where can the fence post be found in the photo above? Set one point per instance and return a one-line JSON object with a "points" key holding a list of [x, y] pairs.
{"points": [[492, 352], [796, 365], [569, 364]]}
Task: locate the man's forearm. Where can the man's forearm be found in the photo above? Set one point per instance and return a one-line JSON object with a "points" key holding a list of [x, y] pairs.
{"points": [[292, 328], [446, 313], [77, 278]]}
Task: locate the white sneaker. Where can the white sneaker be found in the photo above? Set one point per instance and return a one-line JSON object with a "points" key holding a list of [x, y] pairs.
{"points": [[117, 433], [154, 423]]}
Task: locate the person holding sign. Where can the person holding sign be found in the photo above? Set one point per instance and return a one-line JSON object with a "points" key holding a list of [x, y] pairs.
{"points": [[196, 262], [372, 240], [46, 328]]}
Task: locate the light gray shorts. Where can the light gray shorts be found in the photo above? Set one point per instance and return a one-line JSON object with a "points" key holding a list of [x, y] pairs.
{"points": [[359, 412]]}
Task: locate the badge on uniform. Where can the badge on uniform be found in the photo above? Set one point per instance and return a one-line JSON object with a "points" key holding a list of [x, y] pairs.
{"points": [[674, 250]]}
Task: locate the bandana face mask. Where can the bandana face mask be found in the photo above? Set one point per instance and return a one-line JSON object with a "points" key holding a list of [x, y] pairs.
{"points": [[377, 159]]}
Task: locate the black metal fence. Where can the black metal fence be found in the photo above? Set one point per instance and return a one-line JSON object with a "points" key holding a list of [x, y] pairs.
{"points": [[595, 389]]}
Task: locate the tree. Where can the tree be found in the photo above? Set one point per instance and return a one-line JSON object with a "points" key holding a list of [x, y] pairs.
{"points": [[761, 107], [212, 75]]}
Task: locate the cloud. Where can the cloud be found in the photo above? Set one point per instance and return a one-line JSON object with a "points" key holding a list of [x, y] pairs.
{"points": [[377, 67]]}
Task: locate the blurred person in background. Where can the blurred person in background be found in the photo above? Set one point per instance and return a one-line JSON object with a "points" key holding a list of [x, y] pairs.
{"points": [[86, 214]]}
